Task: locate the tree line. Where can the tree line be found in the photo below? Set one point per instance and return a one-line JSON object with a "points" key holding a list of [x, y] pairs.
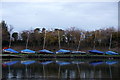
{"points": [[69, 38]]}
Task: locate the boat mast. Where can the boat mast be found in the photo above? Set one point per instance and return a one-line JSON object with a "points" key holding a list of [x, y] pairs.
{"points": [[27, 40], [100, 38], [110, 41], [10, 41], [94, 41], [44, 40], [59, 39], [79, 42], [10, 31]]}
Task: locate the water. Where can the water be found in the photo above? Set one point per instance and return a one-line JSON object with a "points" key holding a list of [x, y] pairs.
{"points": [[68, 69]]}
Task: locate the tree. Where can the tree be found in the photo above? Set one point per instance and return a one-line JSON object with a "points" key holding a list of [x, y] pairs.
{"points": [[15, 36], [43, 30], [24, 35], [5, 33], [36, 30]]}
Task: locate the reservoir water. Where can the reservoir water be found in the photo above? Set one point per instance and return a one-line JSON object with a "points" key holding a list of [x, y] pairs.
{"points": [[60, 69]]}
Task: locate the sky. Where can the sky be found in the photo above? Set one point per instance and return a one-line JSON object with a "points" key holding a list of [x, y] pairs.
{"points": [[62, 15]]}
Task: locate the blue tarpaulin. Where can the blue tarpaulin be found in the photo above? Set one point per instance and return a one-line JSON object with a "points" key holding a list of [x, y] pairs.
{"points": [[63, 51], [96, 51], [10, 50], [62, 63], [46, 62], [11, 63], [27, 51], [111, 53], [46, 51], [28, 62]]}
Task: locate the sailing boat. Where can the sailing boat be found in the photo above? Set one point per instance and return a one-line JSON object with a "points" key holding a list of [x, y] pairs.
{"points": [[111, 52], [9, 50], [94, 51], [63, 51], [27, 50], [44, 51], [79, 52]]}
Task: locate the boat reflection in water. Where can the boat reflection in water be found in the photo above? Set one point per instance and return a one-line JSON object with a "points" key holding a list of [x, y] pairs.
{"points": [[9, 67], [60, 65], [26, 63], [45, 63], [60, 69]]}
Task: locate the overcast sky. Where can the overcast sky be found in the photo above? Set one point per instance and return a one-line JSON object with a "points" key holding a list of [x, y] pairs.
{"points": [[83, 15]]}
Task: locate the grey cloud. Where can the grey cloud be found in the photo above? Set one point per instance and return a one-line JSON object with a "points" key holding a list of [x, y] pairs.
{"points": [[61, 15]]}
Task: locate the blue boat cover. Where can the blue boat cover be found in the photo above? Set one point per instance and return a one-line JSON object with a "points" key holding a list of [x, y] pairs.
{"points": [[11, 63], [46, 62], [46, 51], [63, 51], [63, 63], [10, 50], [111, 62], [96, 63], [28, 62], [27, 51], [111, 53], [96, 51]]}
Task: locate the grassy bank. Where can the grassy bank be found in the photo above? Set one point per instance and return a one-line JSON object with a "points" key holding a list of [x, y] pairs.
{"points": [[86, 56]]}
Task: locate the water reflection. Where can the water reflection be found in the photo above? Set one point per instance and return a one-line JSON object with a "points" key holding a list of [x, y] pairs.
{"points": [[60, 69]]}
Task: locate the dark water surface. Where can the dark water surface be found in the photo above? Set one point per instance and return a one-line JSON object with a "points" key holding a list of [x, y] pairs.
{"points": [[63, 69]]}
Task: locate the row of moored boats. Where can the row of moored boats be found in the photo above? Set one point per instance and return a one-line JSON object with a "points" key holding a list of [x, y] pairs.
{"points": [[60, 51]]}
